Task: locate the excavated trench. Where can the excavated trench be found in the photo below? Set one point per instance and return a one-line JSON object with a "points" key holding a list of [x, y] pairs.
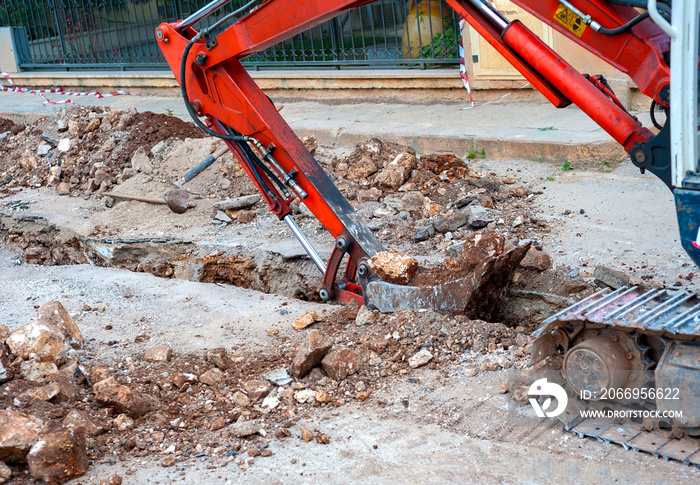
{"points": [[41, 242]]}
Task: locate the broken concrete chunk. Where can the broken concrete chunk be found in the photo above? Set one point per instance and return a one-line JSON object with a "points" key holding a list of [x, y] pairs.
{"points": [[420, 358], [37, 371], [396, 172], [365, 316], [308, 318], [450, 221], [362, 169], [238, 202], [605, 276], [64, 145], [393, 267], [245, 428], [478, 216], [140, 161], [123, 400], [18, 433], [158, 354], [108, 382], [369, 195], [537, 260], [310, 354], [219, 358], [424, 233], [221, 217], [407, 201], [278, 377], [44, 340], [240, 399], [340, 362], [257, 388], [59, 455], [77, 419], [5, 473], [212, 377], [305, 396], [54, 313]]}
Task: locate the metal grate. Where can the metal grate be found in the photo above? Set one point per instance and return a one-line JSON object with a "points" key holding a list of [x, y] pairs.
{"points": [[120, 34]]}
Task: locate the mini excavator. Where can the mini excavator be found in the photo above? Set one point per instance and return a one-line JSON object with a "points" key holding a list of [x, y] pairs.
{"points": [[624, 349]]}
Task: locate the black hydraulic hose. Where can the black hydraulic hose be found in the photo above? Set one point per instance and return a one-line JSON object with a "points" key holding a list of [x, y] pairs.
{"points": [[193, 115], [664, 6], [627, 26]]}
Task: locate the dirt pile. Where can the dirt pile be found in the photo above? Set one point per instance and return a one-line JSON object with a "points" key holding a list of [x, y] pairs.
{"points": [[84, 149]]}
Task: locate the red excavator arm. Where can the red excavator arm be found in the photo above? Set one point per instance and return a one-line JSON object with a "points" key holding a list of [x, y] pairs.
{"points": [[217, 87]]}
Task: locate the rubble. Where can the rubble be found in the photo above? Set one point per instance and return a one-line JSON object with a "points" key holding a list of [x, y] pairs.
{"points": [[43, 340], [5, 473], [340, 362], [420, 359], [18, 433], [212, 377], [158, 354], [536, 259], [245, 428], [257, 388], [308, 318], [365, 316], [393, 267], [310, 354], [123, 400]]}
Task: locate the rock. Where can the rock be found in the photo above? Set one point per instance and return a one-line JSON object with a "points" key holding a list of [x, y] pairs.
{"points": [[322, 438], [4, 333], [362, 169], [470, 371], [257, 388], [310, 354], [270, 402], [158, 354], [308, 318], [521, 340], [37, 371], [383, 212], [537, 260], [322, 396], [238, 202], [44, 340], [113, 479], [369, 195], [123, 422], [217, 424], [407, 201], [5, 473], [54, 313], [306, 435], [245, 428], [439, 163], [63, 188], [309, 142], [340, 362], [450, 221], [365, 316], [420, 358], [278, 377], [77, 419], [108, 382], [396, 172], [6, 372], [466, 200], [123, 400], [59, 455], [575, 285], [212, 377], [218, 357], [489, 183], [478, 216], [614, 279], [18, 433], [455, 250], [240, 399], [64, 145], [508, 180], [140, 161], [221, 216], [305, 396], [159, 147], [393, 267], [244, 217], [43, 149], [57, 391], [167, 461], [424, 233], [518, 221]]}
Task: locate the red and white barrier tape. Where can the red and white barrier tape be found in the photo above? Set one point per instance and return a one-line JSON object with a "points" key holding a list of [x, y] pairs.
{"points": [[465, 79], [41, 92]]}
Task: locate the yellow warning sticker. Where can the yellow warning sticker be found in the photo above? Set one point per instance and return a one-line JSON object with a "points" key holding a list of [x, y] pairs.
{"points": [[570, 20]]}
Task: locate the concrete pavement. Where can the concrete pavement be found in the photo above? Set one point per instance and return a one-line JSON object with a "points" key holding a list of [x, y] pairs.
{"points": [[503, 130]]}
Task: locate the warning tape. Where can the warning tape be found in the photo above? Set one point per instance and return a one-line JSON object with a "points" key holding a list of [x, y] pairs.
{"points": [[41, 92], [465, 79]]}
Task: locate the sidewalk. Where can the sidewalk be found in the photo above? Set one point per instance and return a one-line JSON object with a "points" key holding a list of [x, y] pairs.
{"points": [[503, 130]]}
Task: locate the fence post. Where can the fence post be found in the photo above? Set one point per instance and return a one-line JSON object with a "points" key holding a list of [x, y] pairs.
{"points": [[9, 61]]}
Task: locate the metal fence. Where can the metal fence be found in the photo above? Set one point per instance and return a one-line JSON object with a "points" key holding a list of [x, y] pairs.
{"points": [[120, 34]]}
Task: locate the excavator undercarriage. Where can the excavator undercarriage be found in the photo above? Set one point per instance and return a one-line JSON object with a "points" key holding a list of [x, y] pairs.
{"points": [[621, 350]]}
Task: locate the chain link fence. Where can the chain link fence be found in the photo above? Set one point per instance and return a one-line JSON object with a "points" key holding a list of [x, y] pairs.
{"points": [[120, 34]]}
